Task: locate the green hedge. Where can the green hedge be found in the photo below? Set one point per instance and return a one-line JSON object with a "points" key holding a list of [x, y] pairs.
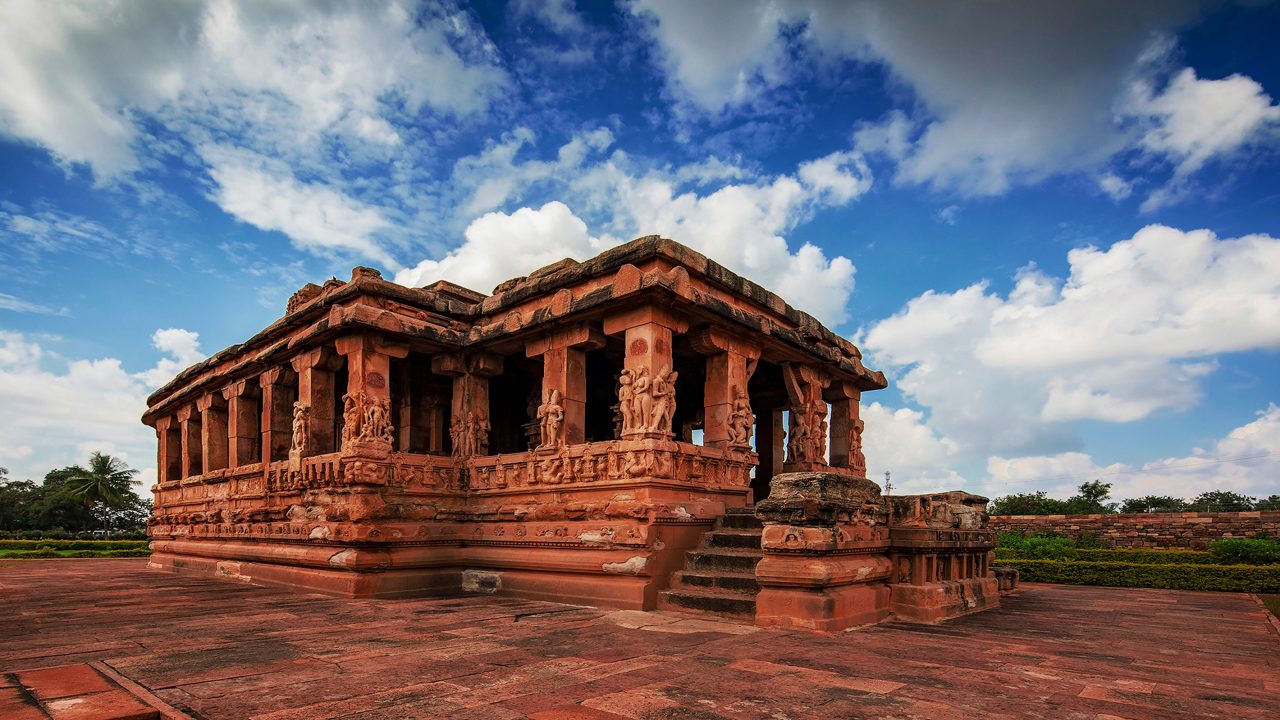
{"points": [[1128, 555], [72, 544], [1222, 578], [46, 552]]}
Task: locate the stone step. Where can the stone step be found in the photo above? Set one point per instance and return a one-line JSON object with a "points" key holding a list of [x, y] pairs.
{"points": [[723, 559], [746, 539], [743, 582], [739, 519], [717, 602]]}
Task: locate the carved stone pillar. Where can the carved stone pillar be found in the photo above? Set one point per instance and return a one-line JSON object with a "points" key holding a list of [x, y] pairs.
{"points": [[192, 457], [278, 390], [846, 428], [469, 431], [315, 369], [170, 452], [647, 384], [367, 421], [213, 430], [564, 382], [244, 422], [807, 431], [727, 414]]}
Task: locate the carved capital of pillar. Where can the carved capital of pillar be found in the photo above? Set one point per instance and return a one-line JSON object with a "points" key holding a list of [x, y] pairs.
{"points": [[185, 412], [322, 358], [279, 375], [241, 388], [712, 340], [482, 364], [211, 401], [369, 345], [645, 315], [580, 336]]}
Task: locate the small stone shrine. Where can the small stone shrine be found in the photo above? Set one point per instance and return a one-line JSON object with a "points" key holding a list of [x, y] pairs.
{"points": [[597, 433]]}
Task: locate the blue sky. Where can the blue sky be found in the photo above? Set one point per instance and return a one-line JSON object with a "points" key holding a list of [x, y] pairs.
{"points": [[1053, 225]]}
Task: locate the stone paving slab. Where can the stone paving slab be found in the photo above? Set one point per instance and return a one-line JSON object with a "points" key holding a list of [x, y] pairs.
{"points": [[214, 649]]}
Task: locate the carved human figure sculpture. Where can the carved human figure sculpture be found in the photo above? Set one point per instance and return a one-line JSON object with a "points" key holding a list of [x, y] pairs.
{"points": [[376, 423], [551, 418], [664, 401], [741, 419], [626, 400], [642, 402], [350, 418], [300, 417]]}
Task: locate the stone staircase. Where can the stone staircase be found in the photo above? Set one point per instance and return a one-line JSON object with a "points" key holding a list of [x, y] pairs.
{"points": [[720, 575]]}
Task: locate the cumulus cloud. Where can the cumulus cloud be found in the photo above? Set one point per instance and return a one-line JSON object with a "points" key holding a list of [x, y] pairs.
{"points": [[1003, 94], [1243, 461], [1130, 331], [315, 217], [500, 246], [901, 442], [57, 410], [338, 95], [79, 78], [603, 202], [1193, 121]]}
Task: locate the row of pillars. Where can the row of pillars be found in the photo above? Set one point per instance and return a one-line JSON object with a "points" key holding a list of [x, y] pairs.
{"points": [[251, 419]]}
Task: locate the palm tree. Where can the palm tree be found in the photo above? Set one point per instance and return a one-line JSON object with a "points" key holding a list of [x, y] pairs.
{"points": [[106, 483]]}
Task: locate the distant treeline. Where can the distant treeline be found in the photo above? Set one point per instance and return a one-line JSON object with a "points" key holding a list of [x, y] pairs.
{"points": [[1094, 498], [74, 500]]}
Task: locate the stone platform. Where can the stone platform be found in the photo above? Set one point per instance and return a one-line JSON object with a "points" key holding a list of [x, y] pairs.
{"points": [[214, 649]]}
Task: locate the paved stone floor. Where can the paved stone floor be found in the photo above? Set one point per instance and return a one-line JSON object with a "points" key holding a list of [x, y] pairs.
{"points": [[215, 649]]}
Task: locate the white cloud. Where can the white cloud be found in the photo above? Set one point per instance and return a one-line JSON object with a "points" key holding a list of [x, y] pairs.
{"points": [[1116, 187], [1130, 331], [1244, 461], [58, 410], [739, 224], [1003, 95], [901, 442], [78, 78], [499, 247], [17, 304], [316, 217], [1193, 121]]}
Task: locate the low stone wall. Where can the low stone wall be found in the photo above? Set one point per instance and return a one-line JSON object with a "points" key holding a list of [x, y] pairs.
{"points": [[1148, 530]]}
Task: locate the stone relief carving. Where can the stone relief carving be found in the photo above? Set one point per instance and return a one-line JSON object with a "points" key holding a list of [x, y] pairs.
{"points": [[301, 419], [741, 419], [606, 461], [646, 404], [807, 439], [366, 419], [470, 434], [857, 461], [551, 419]]}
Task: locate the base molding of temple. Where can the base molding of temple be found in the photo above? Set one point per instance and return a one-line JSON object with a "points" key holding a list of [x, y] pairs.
{"points": [[385, 441]]}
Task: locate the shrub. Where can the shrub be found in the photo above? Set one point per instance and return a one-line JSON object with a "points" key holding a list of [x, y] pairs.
{"points": [[1248, 551], [1048, 548], [1222, 578], [1090, 541]]}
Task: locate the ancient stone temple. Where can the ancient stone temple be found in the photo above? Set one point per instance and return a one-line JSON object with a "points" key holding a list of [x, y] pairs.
{"points": [[597, 433]]}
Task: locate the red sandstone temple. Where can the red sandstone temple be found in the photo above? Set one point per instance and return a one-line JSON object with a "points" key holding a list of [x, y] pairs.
{"points": [[608, 432]]}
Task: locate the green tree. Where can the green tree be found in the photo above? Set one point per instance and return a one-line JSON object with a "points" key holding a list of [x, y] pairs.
{"points": [[1154, 503], [1271, 503], [1091, 499], [1037, 503], [105, 486], [1222, 501]]}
